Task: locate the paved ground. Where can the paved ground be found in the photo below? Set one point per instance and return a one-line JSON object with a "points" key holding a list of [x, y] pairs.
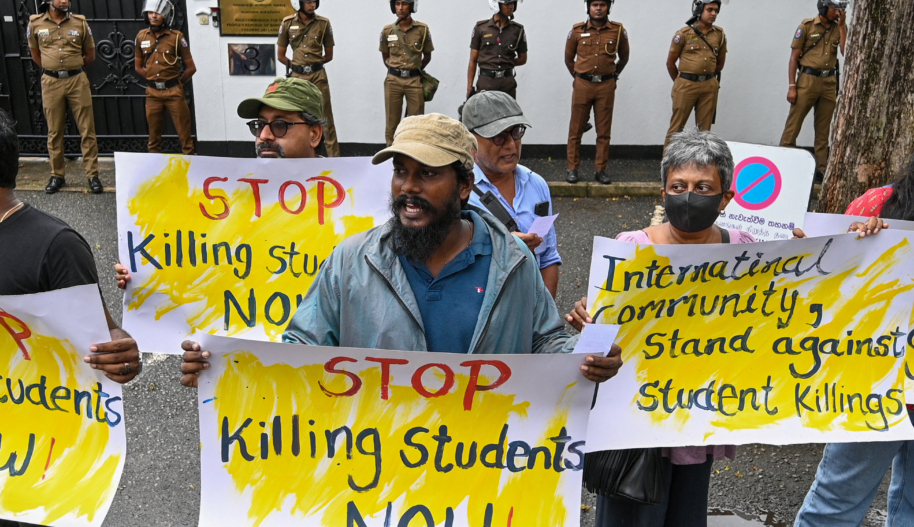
{"points": [[160, 485]]}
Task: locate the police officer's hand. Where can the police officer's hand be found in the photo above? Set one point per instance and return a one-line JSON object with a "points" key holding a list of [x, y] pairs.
{"points": [[601, 369], [792, 94], [194, 363], [122, 275], [532, 240], [579, 316]]}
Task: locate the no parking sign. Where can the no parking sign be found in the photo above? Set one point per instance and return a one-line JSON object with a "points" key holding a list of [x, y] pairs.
{"points": [[772, 187]]}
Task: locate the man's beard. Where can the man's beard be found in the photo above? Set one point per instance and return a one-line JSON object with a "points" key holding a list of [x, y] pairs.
{"points": [[276, 147], [61, 9], [419, 243]]}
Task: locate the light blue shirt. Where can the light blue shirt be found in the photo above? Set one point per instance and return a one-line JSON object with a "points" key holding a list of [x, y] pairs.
{"points": [[529, 189]]}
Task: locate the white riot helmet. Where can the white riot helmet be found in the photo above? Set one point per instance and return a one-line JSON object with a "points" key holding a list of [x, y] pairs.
{"points": [[162, 7], [495, 4]]}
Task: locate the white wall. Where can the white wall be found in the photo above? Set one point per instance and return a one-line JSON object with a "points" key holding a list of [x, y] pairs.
{"points": [[752, 107]]}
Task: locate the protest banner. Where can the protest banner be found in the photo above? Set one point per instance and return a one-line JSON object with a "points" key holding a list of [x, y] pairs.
{"points": [[790, 342], [818, 224], [62, 439], [295, 435], [772, 186], [230, 246]]}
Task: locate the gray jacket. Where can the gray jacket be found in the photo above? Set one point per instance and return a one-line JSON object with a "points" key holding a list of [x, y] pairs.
{"points": [[361, 298]]}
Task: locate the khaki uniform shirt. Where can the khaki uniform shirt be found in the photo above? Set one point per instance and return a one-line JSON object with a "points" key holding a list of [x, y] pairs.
{"points": [[596, 48], [498, 47], [824, 56], [417, 37], [307, 47], [695, 57], [159, 53], [62, 47]]}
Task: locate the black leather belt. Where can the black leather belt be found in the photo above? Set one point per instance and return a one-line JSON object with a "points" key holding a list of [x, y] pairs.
{"points": [[311, 68], [496, 74], [696, 78], [63, 74], [162, 86], [597, 78], [397, 72], [819, 73]]}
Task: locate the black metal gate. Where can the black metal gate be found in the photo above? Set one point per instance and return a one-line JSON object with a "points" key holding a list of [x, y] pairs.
{"points": [[118, 93]]}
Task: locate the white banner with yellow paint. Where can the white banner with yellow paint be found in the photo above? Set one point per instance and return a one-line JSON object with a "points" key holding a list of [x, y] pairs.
{"points": [[295, 435], [231, 246], [785, 342], [62, 439]]}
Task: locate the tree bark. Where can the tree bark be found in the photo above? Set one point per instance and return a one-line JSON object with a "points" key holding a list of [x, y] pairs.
{"points": [[873, 131]]}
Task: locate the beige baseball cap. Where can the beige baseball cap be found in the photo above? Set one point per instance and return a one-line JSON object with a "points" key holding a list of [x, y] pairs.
{"points": [[434, 140]]}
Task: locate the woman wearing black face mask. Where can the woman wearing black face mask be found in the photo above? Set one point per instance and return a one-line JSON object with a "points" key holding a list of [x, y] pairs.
{"points": [[695, 171]]}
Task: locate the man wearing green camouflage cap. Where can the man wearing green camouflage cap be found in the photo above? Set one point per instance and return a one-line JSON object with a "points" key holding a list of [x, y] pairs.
{"points": [[287, 119], [439, 276]]}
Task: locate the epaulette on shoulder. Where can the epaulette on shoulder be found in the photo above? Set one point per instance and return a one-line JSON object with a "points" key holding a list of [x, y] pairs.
{"points": [[808, 20], [290, 17], [35, 17], [322, 18], [481, 22], [518, 24], [77, 16], [579, 25]]}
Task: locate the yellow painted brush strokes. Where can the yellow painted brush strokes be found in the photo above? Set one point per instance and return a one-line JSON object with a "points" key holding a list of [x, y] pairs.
{"points": [[319, 488], [166, 203], [855, 300], [80, 478]]}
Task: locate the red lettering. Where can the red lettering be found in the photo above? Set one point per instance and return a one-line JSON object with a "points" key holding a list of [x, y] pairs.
{"points": [[321, 205], [282, 197], [473, 386], [18, 335], [385, 373], [225, 206], [356, 382], [255, 188], [444, 390]]}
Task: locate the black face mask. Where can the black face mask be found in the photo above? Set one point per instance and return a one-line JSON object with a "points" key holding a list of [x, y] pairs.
{"points": [[690, 212]]}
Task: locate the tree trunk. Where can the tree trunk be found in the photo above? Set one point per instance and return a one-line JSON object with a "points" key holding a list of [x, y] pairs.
{"points": [[873, 131]]}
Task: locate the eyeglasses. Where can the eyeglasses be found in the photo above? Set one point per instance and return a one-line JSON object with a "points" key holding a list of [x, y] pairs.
{"points": [[516, 133], [278, 128]]}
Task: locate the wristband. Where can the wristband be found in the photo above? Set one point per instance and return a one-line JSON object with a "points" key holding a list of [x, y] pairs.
{"points": [[791, 85]]}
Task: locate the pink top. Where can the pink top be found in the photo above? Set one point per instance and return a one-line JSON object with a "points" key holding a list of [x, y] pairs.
{"points": [[691, 455]]}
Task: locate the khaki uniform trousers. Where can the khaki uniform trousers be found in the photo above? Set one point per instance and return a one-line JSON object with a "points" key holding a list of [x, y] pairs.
{"points": [[601, 96], [506, 84], [816, 93], [395, 90], [688, 95], [172, 100], [319, 79], [56, 95]]}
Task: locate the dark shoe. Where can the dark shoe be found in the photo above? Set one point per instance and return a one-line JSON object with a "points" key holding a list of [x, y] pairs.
{"points": [[587, 127], [95, 186], [602, 177], [818, 177], [572, 176], [54, 184]]}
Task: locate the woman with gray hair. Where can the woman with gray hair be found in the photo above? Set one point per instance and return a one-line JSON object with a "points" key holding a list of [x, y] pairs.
{"points": [[697, 173]]}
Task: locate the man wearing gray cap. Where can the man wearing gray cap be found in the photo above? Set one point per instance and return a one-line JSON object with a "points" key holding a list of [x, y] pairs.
{"points": [[440, 276], [498, 123]]}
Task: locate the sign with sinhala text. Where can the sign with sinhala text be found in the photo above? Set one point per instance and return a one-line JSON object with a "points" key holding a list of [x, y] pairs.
{"points": [[231, 246], [252, 17], [771, 186], [62, 439], [781, 342], [295, 435]]}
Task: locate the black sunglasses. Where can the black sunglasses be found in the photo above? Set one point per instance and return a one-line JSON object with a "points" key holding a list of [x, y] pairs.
{"points": [[516, 133], [279, 128]]}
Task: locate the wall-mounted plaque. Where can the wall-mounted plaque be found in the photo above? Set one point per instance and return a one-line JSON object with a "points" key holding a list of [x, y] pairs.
{"points": [[252, 59], [252, 17]]}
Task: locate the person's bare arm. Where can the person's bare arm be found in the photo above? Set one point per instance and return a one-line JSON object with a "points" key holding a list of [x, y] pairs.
{"points": [[189, 69], [36, 56], [139, 67], [569, 59], [521, 59], [842, 28], [471, 70], [328, 54], [89, 57], [671, 65], [624, 53], [281, 54], [426, 58], [384, 58], [721, 60], [551, 278], [792, 76]]}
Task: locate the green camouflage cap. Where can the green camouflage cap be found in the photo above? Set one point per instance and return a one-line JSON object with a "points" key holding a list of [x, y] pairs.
{"points": [[288, 95]]}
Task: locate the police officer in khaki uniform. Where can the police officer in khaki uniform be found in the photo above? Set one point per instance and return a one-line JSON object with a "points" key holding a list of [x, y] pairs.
{"points": [[815, 55], [160, 51], [311, 38], [62, 45], [498, 45], [403, 44], [701, 49], [596, 43]]}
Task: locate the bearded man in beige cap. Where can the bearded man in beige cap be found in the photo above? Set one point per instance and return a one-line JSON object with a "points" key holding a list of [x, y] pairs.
{"points": [[440, 276]]}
